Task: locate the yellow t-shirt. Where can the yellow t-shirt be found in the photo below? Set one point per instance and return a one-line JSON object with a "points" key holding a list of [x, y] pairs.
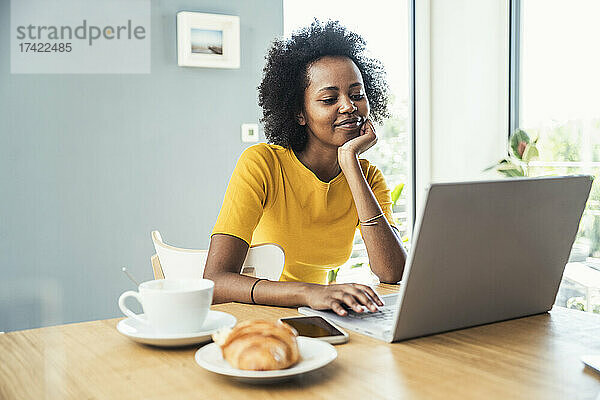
{"points": [[273, 198]]}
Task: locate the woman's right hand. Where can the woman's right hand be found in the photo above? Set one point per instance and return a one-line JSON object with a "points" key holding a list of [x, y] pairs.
{"points": [[353, 295]]}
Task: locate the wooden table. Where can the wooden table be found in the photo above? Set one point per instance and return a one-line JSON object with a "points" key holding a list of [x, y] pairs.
{"points": [[527, 358]]}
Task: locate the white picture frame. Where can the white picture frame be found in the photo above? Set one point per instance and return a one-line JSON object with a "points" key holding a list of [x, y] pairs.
{"points": [[208, 40]]}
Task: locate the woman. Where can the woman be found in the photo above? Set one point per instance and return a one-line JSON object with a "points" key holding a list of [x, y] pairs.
{"points": [[307, 190]]}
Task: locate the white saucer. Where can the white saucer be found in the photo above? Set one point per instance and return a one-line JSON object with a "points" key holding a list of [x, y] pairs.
{"points": [[314, 354], [592, 361], [141, 333]]}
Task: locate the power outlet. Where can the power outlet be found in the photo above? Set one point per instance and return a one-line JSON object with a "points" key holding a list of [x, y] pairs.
{"points": [[249, 132]]}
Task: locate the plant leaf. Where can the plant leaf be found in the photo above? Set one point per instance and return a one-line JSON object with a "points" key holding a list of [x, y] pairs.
{"points": [[510, 169], [512, 173], [531, 152], [332, 275], [517, 137], [397, 192], [490, 167], [507, 165], [495, 166]]}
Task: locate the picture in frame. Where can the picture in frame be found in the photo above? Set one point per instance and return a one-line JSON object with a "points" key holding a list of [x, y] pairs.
{"points": [[208, 40]]}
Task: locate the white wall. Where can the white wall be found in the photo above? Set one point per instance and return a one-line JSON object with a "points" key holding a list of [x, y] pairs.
{"points": [[462, 88]]}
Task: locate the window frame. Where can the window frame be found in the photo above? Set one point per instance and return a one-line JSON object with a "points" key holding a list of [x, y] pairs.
{"points": [[412, 114], [572, 273], [514, 60]]}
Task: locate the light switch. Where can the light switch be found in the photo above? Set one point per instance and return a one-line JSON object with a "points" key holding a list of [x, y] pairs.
{"points": [[249, 132]]}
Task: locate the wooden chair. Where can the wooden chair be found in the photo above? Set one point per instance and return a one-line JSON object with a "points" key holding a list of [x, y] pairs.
{"points": [[263, 261]]}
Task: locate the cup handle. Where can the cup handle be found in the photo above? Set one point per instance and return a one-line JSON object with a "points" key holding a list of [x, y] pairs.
{"points": [[127, 311]]}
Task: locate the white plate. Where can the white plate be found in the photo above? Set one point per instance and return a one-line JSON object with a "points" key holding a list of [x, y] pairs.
{"points": [[314, 354], [141, 333]]}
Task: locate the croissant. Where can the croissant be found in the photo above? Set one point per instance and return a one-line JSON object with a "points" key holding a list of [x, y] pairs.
{"points": [[259, 345]]}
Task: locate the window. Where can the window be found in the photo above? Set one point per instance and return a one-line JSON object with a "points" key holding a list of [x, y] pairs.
{"points": [[385, 27], [555, 95]]}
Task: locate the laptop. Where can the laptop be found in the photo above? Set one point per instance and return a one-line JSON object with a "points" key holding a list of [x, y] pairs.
{"points": [[482, 252]]}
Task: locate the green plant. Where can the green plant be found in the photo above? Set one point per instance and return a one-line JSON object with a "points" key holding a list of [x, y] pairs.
{"points": [[332, 275], [578, 303], [397, 192], [522, 151]]}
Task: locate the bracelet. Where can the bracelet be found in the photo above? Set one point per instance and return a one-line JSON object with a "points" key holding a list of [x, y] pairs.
{"points": [[371, 221], [252, 290]]}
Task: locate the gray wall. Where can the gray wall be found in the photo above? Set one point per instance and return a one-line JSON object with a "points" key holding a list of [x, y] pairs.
{"points": [[90, 164]]}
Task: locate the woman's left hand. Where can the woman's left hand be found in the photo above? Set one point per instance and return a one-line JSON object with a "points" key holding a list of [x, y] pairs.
{"points": [[366, 139]]}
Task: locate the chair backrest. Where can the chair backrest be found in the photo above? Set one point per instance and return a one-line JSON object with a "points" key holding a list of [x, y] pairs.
{"points": [[178, 263]]}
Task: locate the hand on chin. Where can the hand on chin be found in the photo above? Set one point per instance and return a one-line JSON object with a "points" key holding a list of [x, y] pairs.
{"points": [[361, 143]]}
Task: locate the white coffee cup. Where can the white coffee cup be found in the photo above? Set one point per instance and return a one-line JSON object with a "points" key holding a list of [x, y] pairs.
{"points": [[172, 305]]}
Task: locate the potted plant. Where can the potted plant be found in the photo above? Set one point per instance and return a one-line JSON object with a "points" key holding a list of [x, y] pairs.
{"points": [[522, 151]]}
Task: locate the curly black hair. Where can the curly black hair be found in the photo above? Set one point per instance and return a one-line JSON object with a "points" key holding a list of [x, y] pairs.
{"points": [[285, 78]]}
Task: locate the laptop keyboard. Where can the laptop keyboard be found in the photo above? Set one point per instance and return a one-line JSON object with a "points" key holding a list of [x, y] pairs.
{"points": [[385, 314]]}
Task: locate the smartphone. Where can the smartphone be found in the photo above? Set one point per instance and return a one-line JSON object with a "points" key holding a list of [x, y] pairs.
{"points": [[318, 328]]}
